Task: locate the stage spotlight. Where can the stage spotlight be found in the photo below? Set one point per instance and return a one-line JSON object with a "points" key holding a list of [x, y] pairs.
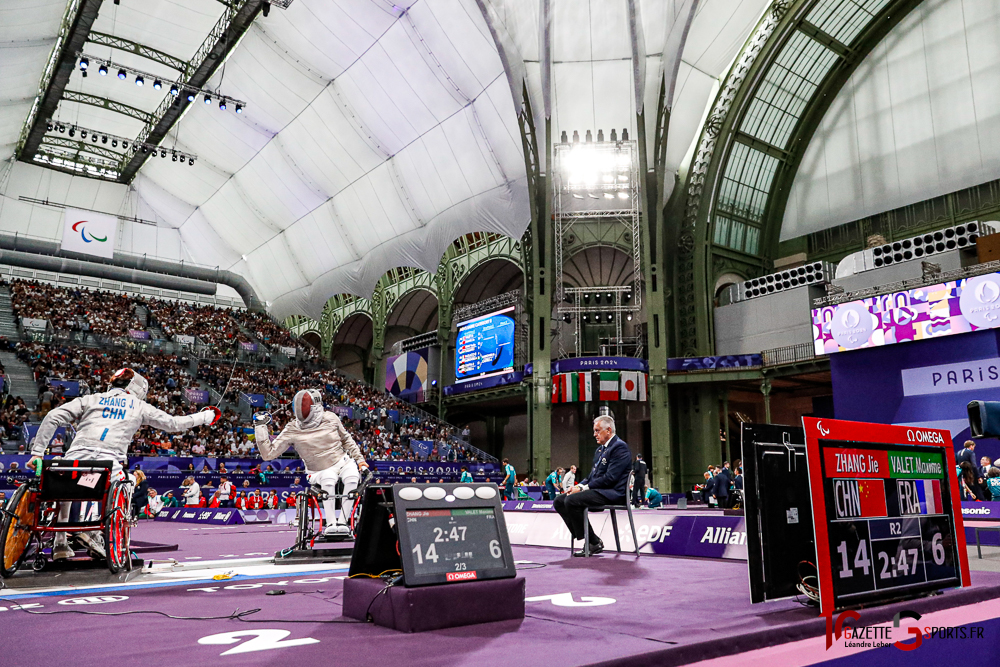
{"points": [[174, 90], [62, 128], [84, 64], [610, 297], [610, 317], [139, 80], [597, 298], [629, 317], [589, 138], [600, 136], [125, 144], [564, 138], [103, 70], [191, 161], [586, 298], [104, 139], [190, 97], [163, 153], [174, 157], [157, 84], [114, 143], [586, 317], [208, 99], [93, 137], [222, 105], [83, 134], [145, 149], [627, 297], [121, 74], [239, 108], [72, 131], [48, 127]]}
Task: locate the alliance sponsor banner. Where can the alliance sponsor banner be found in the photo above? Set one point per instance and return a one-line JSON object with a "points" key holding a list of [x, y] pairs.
{"points": [[683, 364], [657, 532], [945, 309], [89, 233], [138, 335], [215, 517]]}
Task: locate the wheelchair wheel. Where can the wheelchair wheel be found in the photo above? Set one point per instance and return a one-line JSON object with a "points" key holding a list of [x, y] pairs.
{"points": [[117, 525], [16, 530], [310, 519]]}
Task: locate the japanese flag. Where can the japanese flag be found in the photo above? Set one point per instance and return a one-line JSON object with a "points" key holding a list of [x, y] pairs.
{"points": [[630, 386]]}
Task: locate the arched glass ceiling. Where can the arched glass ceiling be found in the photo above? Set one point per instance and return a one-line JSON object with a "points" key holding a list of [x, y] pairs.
{"points": [[822, 41], [919, 118]]}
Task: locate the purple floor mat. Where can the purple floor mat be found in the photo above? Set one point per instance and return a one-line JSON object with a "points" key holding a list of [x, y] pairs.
{"points": [[613, 609]]}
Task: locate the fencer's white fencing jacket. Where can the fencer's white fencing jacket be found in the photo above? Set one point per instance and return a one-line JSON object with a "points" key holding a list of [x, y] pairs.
{"points": [[106, 423], [320, 447]]}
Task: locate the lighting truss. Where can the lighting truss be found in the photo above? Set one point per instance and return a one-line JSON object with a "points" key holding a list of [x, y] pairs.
{"points": [[108, 142], [66, 159], [88, 63]]}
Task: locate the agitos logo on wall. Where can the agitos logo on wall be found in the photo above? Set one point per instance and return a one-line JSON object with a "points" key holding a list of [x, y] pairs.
{"points": [[90, 233]]}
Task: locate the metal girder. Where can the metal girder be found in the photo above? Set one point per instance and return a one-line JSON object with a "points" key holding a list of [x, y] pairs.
{"points": [[224, 36], [82, 147], [105, 103], [146, 52], [77, 21]]}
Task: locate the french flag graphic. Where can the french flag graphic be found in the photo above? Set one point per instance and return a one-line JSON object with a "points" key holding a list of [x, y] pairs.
{"points": [[929, 492]]}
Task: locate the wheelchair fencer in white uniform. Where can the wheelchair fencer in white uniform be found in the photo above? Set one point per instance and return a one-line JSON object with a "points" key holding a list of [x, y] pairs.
{"points": [[324, 445], [105, 424]]}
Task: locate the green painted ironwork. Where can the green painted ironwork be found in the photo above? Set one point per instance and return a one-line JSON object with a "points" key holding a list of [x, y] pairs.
{"points": [[138, 49]]}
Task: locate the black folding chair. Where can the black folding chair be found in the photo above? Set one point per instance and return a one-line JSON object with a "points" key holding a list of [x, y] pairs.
{"points": [[627, 506]]}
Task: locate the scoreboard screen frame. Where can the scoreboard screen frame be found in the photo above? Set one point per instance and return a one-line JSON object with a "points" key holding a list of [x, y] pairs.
{"points": [[434, 500], [508, 312], [824, 436]]}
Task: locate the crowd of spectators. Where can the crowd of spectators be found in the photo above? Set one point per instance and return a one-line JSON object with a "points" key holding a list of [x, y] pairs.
{"points": [[265, 329], [213, 326], [74, 308]]}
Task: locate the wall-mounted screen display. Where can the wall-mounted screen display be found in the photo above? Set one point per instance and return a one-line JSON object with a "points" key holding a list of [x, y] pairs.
{"points": [[953, 307], [485, 346]]}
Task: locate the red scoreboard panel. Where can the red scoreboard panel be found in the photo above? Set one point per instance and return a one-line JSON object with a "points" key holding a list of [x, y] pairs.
{"points": [[886, 512]]}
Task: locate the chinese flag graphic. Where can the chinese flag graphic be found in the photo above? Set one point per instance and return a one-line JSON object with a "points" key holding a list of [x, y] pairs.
{"points": [[872, 496]]}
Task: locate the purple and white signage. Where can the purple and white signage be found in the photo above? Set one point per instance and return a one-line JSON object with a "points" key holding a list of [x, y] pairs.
{"points": [[953, 307], [138, 335]]}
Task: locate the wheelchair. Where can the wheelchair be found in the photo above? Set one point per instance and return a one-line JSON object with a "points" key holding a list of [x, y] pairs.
{"points": [[30, 519], [310, 522]]}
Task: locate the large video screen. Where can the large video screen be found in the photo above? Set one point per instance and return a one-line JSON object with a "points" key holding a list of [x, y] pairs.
{"points": [[485, 346], [953, 307]]}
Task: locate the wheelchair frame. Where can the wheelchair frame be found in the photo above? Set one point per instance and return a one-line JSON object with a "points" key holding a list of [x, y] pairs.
{"points": [[30, 518]]}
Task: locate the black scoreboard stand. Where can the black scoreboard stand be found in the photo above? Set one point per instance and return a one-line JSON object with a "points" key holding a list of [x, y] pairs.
{"points": [[886, 513], [781, 551], [432, 556]]}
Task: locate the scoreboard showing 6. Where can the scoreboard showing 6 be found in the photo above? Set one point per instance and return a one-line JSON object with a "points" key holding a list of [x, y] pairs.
{"points": [[884, 512]]}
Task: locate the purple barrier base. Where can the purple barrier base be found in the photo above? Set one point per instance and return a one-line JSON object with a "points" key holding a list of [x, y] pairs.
{"points": [[205, 515], [435, 607]]}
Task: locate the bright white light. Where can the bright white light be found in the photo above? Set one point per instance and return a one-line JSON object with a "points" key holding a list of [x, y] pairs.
{"points": [[622, 194]]}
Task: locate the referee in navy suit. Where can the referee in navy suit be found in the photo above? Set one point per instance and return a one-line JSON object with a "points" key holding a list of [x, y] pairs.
{"points": [[606, 484]]}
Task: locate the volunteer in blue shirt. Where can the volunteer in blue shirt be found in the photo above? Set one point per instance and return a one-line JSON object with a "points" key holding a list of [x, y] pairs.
{"points": [[654, 497], [466, 476], [553, 483], [510, 478]]}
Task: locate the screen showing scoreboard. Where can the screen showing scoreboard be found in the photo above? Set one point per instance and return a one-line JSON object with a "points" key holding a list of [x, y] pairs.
{"points": [[884, 505], [485, 346]]}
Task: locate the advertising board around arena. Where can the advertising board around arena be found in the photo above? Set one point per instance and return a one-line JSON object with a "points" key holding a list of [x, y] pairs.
{"points": [[184, 340], [287, 351], [701, 535], [34, 323], [215, 517], [197, 396], [138, 335]]}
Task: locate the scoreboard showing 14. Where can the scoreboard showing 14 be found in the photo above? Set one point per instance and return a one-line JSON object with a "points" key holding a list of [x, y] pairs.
{"points": [[884, 509]]}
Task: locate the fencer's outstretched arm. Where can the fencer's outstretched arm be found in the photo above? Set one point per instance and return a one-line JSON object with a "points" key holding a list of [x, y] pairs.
{"points": [[64, 415], [271, 450], [166, 422]]}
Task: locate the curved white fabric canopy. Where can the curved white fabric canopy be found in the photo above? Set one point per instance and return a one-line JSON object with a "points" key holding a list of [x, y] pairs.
{"points": [[374, 133], [918, 119]]}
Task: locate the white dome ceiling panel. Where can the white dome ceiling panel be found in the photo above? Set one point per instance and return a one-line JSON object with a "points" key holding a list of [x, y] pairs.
{"points": [[315, 247], [453, 30], [592, 30], [494, 108], [718, 32], [226, 142], [275, 189], [592, 96], [137, 239], [918, 119], [187, 183], [232, 214], [203, 245], [153, 202]]}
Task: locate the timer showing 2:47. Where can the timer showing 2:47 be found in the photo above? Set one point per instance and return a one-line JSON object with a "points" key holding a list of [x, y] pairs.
{"points": [[898, 560]]}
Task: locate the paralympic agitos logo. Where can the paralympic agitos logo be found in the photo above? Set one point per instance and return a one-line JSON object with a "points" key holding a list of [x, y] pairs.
{"points": [[84, 233]]}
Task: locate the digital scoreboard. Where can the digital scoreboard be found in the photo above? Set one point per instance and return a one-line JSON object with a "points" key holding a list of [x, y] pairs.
{"points": [[485, 346], [886, 514]]}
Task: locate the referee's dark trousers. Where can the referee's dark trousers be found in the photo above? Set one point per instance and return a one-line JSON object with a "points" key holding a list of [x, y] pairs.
{"points": [[573, 506]]}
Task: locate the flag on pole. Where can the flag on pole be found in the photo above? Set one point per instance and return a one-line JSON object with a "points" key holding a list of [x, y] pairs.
{"points": [[630, 386], [643, 381], [90, 233], [586, 385], [555, 389], [609, 386]]}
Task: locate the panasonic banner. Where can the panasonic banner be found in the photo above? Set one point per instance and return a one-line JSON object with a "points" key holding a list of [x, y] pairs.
{"points": [[89, 233]]}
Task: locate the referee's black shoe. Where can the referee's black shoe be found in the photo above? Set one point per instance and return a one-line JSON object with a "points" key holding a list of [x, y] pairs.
{"points": [[595, 549]]}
